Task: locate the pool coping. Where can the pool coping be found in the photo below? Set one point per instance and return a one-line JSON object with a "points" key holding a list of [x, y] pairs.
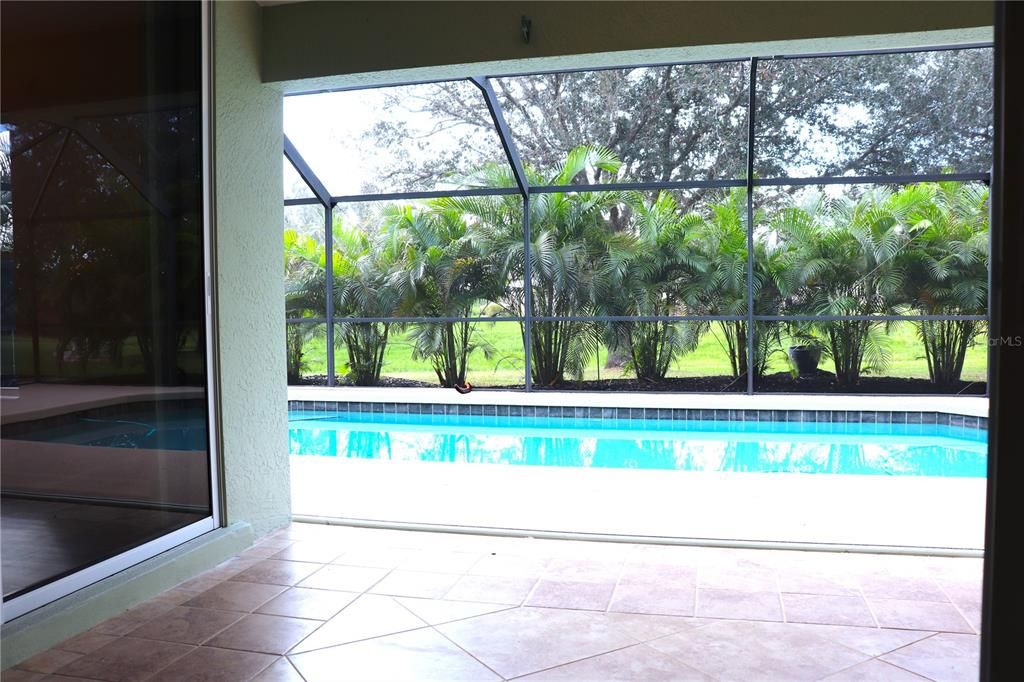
{"points": [[969, 412]]}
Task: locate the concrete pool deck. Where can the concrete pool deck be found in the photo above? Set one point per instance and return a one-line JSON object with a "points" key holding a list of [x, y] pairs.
{"points": [[926, 514], [929, 513]]}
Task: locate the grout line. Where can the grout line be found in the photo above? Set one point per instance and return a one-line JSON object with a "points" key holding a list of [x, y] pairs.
{"points": [[898, 667], [904, 646], [867, 602], [955, 605], [676, 658], [909, 644], [292, 652], [463, 650], [294, 667], [778, 591], [170, 663], [585, 658], [615, 588]]}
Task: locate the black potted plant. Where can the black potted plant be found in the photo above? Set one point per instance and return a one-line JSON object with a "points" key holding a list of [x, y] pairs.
{"points": [[805, 358]]}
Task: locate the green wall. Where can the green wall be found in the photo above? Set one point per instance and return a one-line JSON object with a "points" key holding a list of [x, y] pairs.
{"points": [[250, 285], [310, 40]]}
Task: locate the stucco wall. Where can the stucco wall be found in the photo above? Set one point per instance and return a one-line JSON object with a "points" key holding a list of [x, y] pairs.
{"points": [[311, 40], [250, 289]]}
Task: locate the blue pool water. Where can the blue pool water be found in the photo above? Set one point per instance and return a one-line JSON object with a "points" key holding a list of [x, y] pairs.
{"points": [[142, 425], [736, 446]]}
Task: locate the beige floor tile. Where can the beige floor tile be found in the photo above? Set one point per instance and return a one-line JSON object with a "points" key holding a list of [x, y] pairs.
{"points": [[236, 596], [666, 601], [200, 583], [964, 593], [174, 596], [918, 615], [752, 651], [344, 578], [117, 626], [150, 609], [648, 627], [561, 594], [911, 588], [274, 572], [827, 609], [16, 675], [232, 567], [437, 611], [339, 634], [525, 640], [483, 588], [259, 552], [943, 658], [316, 552], [738, 605], [510, 566], [871, 641], [669, 555], [375, 557], [368, 616], [207, 664], [746, 579], [874, 671], [972, 614], [403, 583], [658, 575], [186, 625], [265, 634], [639, 662], [417, 655], [818, 582], [276, 539], [49, 661], [280, 671], [440, 561], [583, 570], [126, 660], [304, 602], [86, 643]]}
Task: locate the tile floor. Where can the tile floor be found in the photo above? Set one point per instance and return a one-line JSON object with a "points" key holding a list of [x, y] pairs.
{"points": [[315, 602]]}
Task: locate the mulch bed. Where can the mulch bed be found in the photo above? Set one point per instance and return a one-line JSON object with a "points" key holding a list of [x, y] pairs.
{"points": [[825, 382]]}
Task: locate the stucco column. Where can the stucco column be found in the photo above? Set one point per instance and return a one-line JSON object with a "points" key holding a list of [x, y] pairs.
{"points": [[248, 196]]}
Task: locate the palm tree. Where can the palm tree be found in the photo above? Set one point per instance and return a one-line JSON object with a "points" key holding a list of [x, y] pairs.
{"points": [[947, 273], [653, 281], [440, 274], [305, 288], [363, 288], [572, 254], [843, 255], [720, 284]]}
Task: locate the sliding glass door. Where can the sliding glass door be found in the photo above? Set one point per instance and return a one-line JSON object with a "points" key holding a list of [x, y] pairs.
{"points": [[107, 443]]}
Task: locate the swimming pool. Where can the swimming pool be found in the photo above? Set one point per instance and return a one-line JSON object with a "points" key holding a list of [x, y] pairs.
{"points": [[821, 447]]}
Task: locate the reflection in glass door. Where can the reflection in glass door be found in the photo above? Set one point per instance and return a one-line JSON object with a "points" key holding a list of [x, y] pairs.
{"points": [[106, 452]]}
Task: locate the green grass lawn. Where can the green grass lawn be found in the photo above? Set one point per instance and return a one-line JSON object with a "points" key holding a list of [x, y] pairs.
{"points": [[505, 366]]}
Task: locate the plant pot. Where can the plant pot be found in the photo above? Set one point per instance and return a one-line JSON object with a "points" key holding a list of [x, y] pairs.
{"points": [[805, 359]]}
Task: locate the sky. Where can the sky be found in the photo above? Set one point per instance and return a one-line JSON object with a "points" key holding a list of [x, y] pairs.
{"points": [[330, 129]]}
